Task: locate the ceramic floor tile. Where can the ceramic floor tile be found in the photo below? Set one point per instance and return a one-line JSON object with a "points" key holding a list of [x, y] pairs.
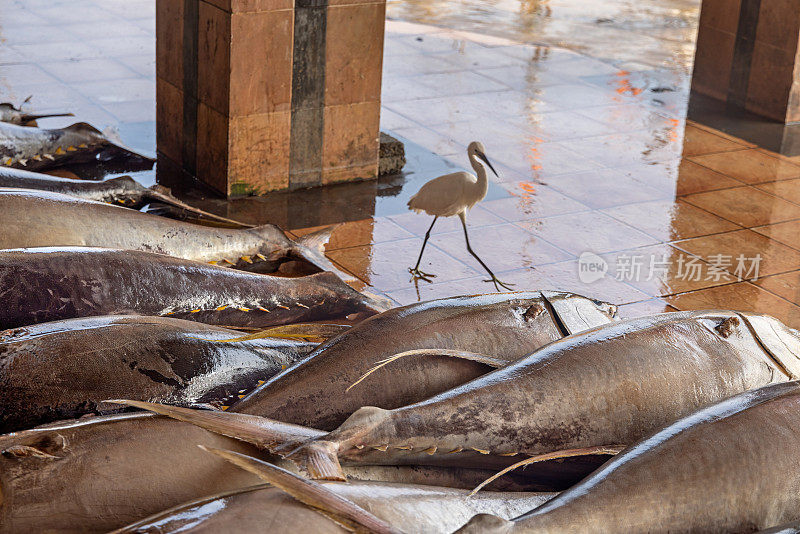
{"points": [[420, 290], [563, 276], [88, 69], [588, 231], [750, 166], [459, 83], [697, 142], [742, 296], [628, 117], [414, 64], [561, 125], [786, 285], [730, 246], [43, 52], [385, 265], [620, 150], [110, 92], [695, 178], [531, 200], [358, 233], [418, 223], [392, 121], [787, 232], [502, 248], [536, 159], [603, 188], [433, 141], [132, 111], [660, 175], [785, 189], [11, 75], [746, 206], [670, 220], [574, 96], [523, 77], [664, 270], [434, 111]]}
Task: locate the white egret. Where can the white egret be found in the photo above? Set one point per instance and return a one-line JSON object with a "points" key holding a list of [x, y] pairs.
{"points": [[454, 194]]}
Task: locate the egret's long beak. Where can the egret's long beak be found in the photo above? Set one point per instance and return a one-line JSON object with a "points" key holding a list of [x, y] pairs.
{"points": [[486, 160]]}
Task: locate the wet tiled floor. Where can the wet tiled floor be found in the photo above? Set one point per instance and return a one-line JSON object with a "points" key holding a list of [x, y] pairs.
{"points": [[599, 167]]}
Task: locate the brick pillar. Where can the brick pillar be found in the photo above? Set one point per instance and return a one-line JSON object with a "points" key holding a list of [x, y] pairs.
{"points": [[264, 95], [747, 56]]}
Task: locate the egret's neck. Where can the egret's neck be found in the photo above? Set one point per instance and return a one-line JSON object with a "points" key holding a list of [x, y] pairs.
{"points": [[480, 171]]}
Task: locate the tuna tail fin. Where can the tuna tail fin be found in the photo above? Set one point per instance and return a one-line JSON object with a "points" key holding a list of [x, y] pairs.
{"points": [[262, 432], [342, 511], [311, 248]]}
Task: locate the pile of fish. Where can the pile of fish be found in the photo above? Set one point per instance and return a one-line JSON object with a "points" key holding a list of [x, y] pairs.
{"points": [[158, 375]]}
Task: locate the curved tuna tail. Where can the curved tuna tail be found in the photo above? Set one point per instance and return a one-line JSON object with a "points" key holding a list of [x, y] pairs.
{"points": [[781, 343], [311, 248], [302, 445], [317, 496]]}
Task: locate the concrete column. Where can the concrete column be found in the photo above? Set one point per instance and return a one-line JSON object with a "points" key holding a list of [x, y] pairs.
{"points": [[747, 56], [265, 95]]}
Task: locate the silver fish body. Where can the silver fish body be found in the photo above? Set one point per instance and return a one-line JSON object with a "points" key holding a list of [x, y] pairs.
{"points": [[51, 284], [65, 369]]}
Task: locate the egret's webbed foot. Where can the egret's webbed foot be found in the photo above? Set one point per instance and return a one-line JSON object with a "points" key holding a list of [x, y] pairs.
{"points": [[417, 274], [498, 284]]}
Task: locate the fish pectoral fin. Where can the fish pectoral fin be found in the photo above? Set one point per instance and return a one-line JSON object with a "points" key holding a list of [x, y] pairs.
{"points": [[319, 460], [312, 494], [494, 363], [293, 331], [610, 450], [262, 432]]}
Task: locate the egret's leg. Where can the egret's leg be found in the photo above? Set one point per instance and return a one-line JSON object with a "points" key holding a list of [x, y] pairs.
{"points": [[415, 271], [497, 283]]}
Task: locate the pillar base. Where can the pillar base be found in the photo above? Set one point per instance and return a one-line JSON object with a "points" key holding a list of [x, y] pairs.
{"points": [[266, 95], [747, 55]]}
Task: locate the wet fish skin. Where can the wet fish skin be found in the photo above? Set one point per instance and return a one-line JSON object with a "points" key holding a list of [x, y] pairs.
{"points": [[52, 284], [506, 326], [789, 528], [122, 190], [417, 509], [44, 219], [106, 472], [730, 467], [65, 369], [34, 148], [608, 386]]}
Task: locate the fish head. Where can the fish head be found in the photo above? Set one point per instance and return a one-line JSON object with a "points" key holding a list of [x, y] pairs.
{"points": [[781, 341]]}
